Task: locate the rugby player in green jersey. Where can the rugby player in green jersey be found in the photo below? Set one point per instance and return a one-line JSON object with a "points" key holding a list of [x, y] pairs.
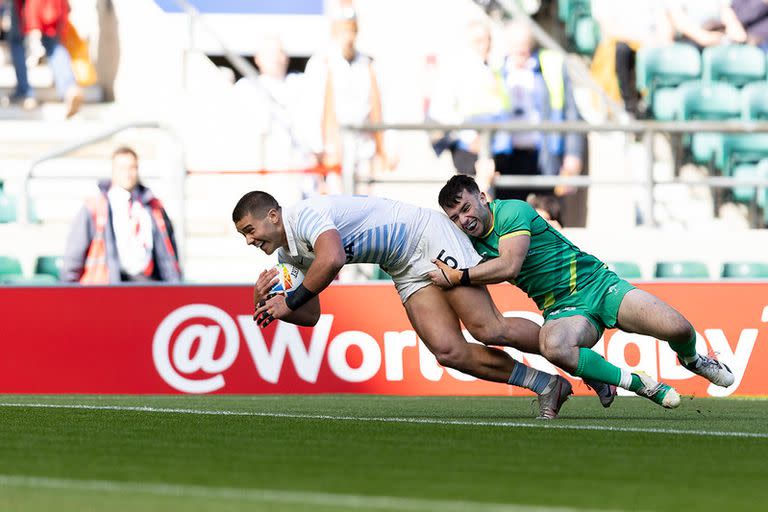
{"points": [[577, 293]]}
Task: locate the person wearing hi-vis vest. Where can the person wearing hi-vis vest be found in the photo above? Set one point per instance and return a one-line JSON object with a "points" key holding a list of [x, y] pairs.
{"points": [[122, 234], [538, 90]]}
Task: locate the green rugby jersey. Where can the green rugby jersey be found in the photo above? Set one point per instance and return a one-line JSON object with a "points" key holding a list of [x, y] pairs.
{"points": [[553, 267]]}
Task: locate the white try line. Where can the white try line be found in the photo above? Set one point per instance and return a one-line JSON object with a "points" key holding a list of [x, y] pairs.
{"points": [[389, 419], [354, 501]]}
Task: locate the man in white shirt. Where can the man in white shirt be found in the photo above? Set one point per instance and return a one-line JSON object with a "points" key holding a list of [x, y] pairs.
{"points": [[323, 234], [121, 234]]}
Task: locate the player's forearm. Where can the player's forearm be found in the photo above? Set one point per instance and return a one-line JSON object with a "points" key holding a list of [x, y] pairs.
{"points": [[307, 315], [496, 270]]}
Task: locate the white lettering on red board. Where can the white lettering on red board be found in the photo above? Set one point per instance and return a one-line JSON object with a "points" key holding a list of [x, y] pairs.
{"points": [[192, 350]]}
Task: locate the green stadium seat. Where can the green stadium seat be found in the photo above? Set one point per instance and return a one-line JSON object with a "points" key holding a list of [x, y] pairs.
{"points": [[7, 208], [625, 269], [566, 8], [741, 149], [754, 101], [746, 194], [664, 68], [708, 101], [9, 266], [50, 265], [736, 64], [681, 270], [586, 35], [35, 280], [579, 9], [666, 104], [745, 270], [380, 275]]}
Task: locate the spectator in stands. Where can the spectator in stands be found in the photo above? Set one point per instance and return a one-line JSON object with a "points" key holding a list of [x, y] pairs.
{"points": [[627, 25], [548, 208], [539, 89], [123, 234], [698, 21], [43, 21], [275, 102], [746, 21], [345, 90], [468, 90], [23, 95]]}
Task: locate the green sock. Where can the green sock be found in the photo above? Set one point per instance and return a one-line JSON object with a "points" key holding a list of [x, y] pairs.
{"points": [[686, 351], [636, 383], [594, 366]]}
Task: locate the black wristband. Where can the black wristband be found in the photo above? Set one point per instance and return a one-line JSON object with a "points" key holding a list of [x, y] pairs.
{"points": [[464, 281], [298, 298]]}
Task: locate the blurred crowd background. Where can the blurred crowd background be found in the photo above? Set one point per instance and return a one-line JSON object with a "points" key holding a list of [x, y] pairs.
{"points": [[129, 128]]}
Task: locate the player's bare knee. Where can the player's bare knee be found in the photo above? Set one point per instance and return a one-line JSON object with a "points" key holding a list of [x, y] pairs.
{"points": [[452, 357], [553, 349], [681, 330]]}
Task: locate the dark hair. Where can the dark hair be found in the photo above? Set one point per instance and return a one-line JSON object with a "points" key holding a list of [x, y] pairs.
{"points": [[257, 203], [125, 150], [548, 203], [449, 194]]}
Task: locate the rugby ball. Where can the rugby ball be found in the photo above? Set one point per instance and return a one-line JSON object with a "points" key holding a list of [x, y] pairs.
{"points": [[289, 278]]}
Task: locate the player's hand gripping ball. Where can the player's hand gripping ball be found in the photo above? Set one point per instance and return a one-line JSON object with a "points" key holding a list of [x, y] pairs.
{"points": [[288, 279]]}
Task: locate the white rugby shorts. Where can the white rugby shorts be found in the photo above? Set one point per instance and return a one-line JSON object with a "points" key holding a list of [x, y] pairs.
{"points": [[441, 239]]}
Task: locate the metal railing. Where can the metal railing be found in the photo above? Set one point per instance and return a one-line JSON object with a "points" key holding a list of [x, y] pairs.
{"points": [[648, 130]]}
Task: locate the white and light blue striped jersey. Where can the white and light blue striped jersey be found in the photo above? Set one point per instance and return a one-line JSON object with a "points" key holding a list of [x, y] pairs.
{"points": [[372, 229]]}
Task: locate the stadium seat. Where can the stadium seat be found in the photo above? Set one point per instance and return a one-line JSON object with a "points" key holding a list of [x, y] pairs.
{"points": [[626, 269], [746, 193], [747, 148], [578, 10], [380, 275], [566, 8], [9, 266], [36, 280], [754, 101], [49, 265], [586, 35], [708, 101], [681, 270], [745, 270], [736, 64], [663, 69], [7, 208]]}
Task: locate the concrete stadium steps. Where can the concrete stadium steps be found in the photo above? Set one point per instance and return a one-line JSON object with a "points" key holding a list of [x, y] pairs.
{"points": [[51, 105]]}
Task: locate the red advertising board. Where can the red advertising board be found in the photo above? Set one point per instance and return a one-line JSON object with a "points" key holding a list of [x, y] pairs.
{"points": [[202, 339]]}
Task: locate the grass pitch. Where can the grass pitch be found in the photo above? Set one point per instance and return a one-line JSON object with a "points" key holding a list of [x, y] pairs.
{"points": [[324, 453]]}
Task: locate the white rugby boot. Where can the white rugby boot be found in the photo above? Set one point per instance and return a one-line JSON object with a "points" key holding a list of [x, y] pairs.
{"points": [[658, 392], [712, 370]]}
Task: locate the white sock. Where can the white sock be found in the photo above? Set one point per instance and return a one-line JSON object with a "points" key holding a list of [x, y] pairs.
{"points": [[689, 360], [626, 378]]}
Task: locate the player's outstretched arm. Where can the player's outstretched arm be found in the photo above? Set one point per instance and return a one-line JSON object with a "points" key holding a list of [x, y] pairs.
{"points": [[506, 267]]}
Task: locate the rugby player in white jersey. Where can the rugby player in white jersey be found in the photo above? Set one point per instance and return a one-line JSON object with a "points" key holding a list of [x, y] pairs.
{"points": [[322, 234]]}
